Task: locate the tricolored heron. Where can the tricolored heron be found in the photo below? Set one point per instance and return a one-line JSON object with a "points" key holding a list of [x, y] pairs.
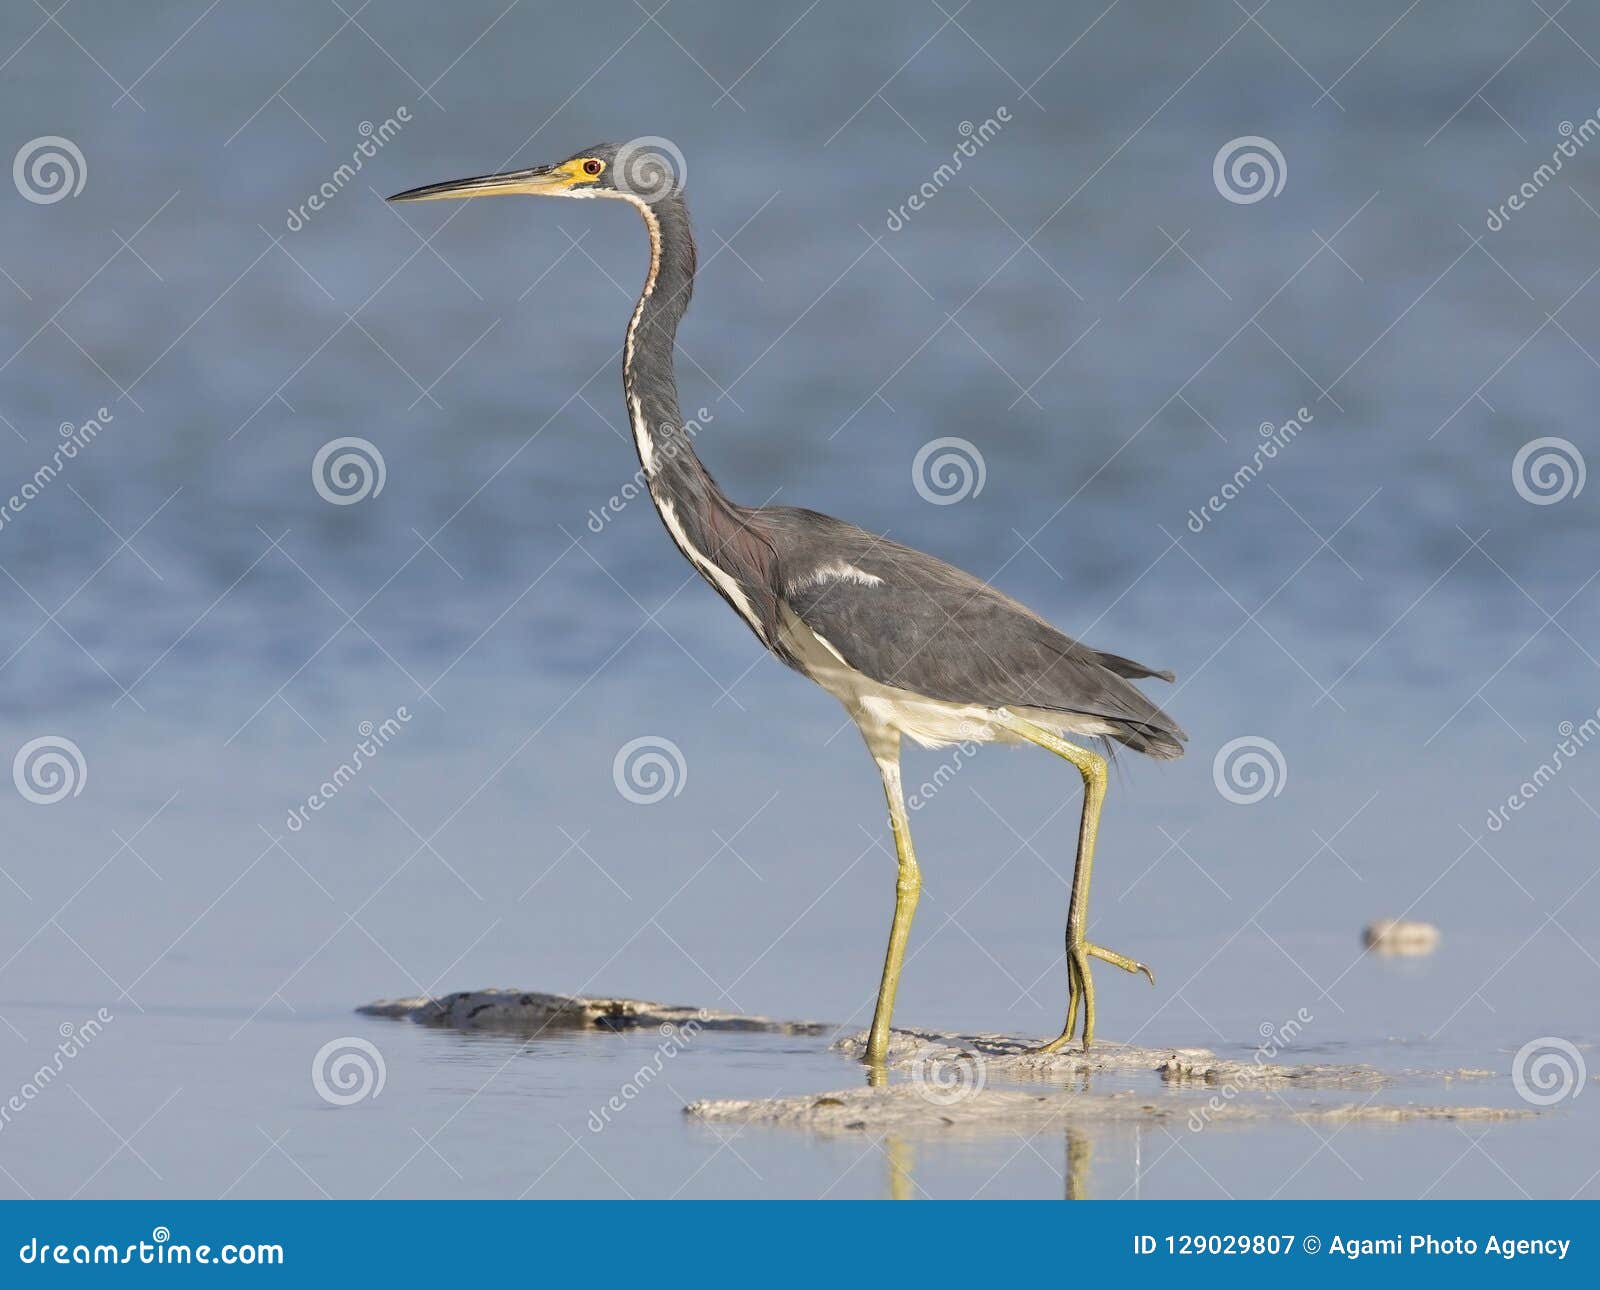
{"points": [[908, 644]]}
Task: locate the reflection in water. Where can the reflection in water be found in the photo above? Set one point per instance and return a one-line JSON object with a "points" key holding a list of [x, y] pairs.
{"points": [[903, 1180], [1079, 1151], [898, 1153], [901, 1183]]}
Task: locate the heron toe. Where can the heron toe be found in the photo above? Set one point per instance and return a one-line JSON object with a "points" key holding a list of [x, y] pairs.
{"points": [[1121, 961], [1081, 987], [1065, 1037]]}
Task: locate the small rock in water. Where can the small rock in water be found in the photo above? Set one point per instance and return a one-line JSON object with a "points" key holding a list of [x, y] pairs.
{"points": [[1399, 936]]}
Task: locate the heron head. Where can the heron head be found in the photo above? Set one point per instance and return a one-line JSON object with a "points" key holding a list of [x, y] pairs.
{"points": [[647, 170]]}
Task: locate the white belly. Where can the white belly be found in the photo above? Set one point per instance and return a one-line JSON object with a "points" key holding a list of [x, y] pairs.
{"points": [[882, 711]]}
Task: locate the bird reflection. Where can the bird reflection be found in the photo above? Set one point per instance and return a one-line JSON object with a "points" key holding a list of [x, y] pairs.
{"points": [[1079, 1152], [902, 1182]]}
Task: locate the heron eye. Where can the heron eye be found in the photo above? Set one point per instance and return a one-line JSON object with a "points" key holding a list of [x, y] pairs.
{"points": [[593, 167]]}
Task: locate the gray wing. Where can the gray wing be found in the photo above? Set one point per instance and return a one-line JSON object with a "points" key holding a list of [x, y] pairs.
{"points": [[912, 621]]}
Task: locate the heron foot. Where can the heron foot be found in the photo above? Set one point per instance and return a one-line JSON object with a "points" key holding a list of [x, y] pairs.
{"points": [[1081, 988]]}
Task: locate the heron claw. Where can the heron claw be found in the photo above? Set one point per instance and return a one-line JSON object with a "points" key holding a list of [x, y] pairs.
{"points": [[1120, 960]]}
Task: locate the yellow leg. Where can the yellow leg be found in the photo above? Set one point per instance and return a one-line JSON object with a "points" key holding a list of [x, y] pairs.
{"points": [[907, 886], [1079, 951]]}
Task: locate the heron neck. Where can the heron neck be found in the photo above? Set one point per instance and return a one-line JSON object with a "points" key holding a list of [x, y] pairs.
{"points": [[725, 542], [663, 438]]}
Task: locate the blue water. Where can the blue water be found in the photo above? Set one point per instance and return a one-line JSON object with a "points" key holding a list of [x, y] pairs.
{"points": [[1379, 602]]}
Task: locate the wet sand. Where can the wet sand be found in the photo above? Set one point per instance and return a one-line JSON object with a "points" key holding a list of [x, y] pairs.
{"points": [[939, 1083]]}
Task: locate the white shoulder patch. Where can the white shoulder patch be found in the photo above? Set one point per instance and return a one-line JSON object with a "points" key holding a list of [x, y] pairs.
{"points": [[835, 571]]}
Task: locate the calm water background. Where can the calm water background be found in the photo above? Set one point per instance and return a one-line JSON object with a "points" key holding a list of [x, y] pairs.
{"points": [[1380, 604]]}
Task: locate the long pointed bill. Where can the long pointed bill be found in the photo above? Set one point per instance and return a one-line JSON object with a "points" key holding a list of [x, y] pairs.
{"points": [[540, 179]]}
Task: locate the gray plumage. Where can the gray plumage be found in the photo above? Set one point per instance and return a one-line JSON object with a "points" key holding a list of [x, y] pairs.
{"points": [[927, 627], [938, 631]]}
